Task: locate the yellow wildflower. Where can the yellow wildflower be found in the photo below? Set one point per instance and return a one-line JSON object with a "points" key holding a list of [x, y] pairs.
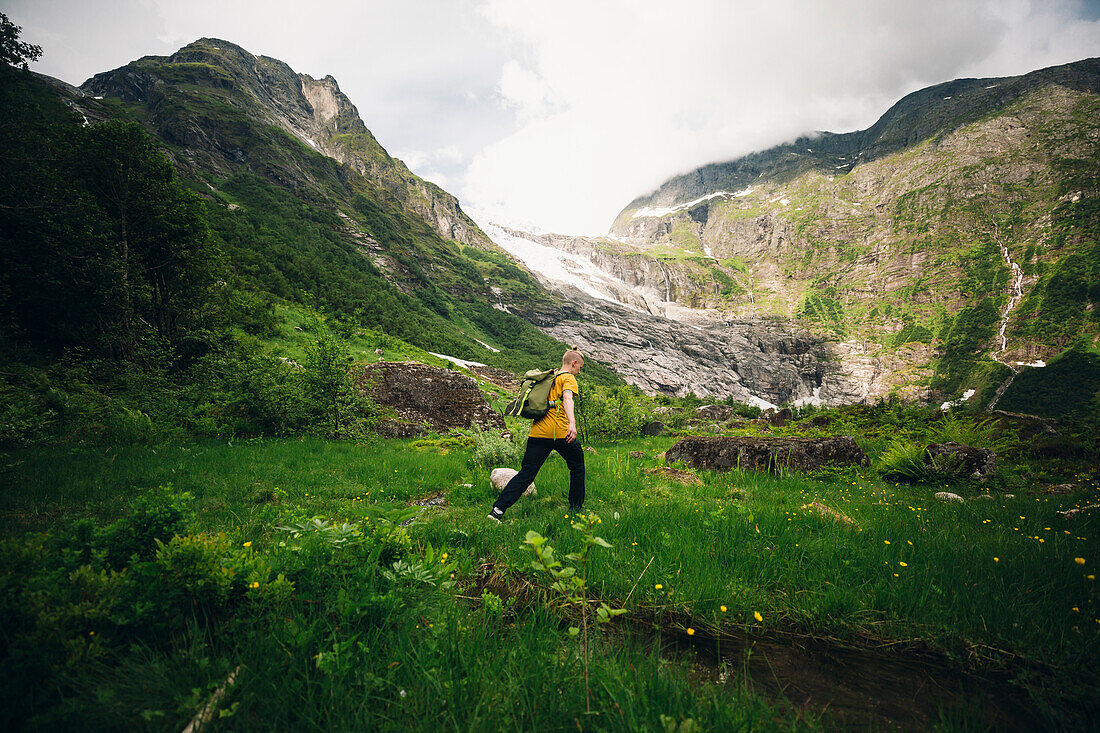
{"points": [[658, 586], [722, 609], [756, 615], [1079, 560], [247, 544], [904, 564], [996, 559], [691, 632], [886, 542]]}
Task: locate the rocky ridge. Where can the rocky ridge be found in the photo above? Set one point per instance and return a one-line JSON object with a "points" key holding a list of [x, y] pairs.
{"points": [[215, 82], [906, 249]]}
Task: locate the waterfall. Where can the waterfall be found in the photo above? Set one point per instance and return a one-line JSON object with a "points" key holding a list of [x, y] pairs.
{"points": [[1017, 294]]}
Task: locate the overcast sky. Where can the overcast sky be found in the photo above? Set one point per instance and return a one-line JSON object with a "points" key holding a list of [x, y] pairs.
{"points": [[556, 113]]}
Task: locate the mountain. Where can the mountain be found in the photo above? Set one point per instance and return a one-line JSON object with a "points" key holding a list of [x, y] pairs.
{"points": [[208, 100], [946, 248], [308, 205], [256, 136]]}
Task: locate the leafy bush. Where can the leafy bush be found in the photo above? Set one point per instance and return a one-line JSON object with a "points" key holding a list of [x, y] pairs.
{"points": [[979, 433], [490, 449], [156, 516], [621, 413], [903, 460]]}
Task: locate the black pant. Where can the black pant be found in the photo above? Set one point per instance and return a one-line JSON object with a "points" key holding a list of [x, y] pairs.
{"points": [[538, 450]]}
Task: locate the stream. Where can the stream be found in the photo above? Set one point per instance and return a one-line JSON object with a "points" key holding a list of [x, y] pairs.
{"points": [[1017, 294]]}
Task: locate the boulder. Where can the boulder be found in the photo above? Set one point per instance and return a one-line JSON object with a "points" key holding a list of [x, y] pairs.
{"points": [[637, 454], [766, 453], [780, 418], [423, 398], [1071, 513], [948, 496], [979, 463], [500, 477], [714, 412], [653, 428]]}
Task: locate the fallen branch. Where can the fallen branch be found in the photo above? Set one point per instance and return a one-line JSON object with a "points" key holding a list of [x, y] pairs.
{"points": [[206, 714]]}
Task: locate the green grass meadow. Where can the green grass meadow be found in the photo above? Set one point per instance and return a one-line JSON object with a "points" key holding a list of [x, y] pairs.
{"points": [[446, 624]]}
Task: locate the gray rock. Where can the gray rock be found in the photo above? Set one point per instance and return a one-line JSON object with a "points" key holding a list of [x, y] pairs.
{"points": [[636, 454], [500, 477], [714, 412], [424, 398], [948, 496], [962, 460], [766, 453], [654, 428], [780, 418]]}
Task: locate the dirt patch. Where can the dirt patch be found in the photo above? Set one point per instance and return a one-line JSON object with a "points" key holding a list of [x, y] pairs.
{"points": [[892, 686], [865, 685]]}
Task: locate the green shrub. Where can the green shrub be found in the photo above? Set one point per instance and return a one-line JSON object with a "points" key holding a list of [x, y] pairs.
{"points": [[904, 460], [979, 433], [490, 449], [123, 426], [620, 413], [155, 517], [193, 570]]}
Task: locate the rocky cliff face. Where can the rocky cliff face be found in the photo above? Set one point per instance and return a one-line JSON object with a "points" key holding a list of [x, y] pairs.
{"points": [[907, 249], [200, 98], [761, 361]]}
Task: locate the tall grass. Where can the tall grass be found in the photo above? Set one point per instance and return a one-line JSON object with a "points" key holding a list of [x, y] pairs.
{"points": [[990, 579]]}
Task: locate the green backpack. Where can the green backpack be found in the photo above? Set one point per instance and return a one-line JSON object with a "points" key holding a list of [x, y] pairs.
{"points": [[533, 400]]}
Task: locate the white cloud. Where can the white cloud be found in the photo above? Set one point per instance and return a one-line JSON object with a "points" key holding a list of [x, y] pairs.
{"points": [[647, 89], [562, 112]]}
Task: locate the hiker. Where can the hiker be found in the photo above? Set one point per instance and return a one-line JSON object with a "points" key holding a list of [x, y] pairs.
{"points": [[554, 431]]}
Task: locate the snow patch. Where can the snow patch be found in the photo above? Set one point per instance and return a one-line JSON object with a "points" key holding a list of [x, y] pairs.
{"points": [[992, 85], [959, 402], [761, 403], [487, 346], [947, 98], [785, 202], [1038, 364], [456, 360], [659, 211], [814, 399], [554, 264]]}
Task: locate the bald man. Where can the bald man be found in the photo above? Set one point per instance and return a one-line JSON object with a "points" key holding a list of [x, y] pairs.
{"points": [[554, 431]]}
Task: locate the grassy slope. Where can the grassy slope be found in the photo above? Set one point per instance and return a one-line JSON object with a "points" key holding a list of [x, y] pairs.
{"points": [[992, 582]]}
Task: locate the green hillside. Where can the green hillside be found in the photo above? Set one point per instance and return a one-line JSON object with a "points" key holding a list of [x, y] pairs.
{"points": [[896, 237], [139, 288]]}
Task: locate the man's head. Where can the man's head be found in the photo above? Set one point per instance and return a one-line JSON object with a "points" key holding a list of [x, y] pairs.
{"points": [[572, 362]]}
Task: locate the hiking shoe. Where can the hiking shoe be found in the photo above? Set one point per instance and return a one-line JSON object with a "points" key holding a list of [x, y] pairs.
{"points": [[495, 516]]}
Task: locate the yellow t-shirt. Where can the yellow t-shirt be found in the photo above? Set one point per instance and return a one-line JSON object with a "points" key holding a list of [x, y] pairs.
{"points": [[555, 423]]}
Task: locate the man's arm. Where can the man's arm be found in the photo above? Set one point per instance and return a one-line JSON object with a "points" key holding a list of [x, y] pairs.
{"points": [[567, 403]]}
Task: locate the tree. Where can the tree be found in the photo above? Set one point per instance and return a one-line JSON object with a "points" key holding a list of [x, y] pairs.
{"points": [[12, 50], [165, 259]]}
